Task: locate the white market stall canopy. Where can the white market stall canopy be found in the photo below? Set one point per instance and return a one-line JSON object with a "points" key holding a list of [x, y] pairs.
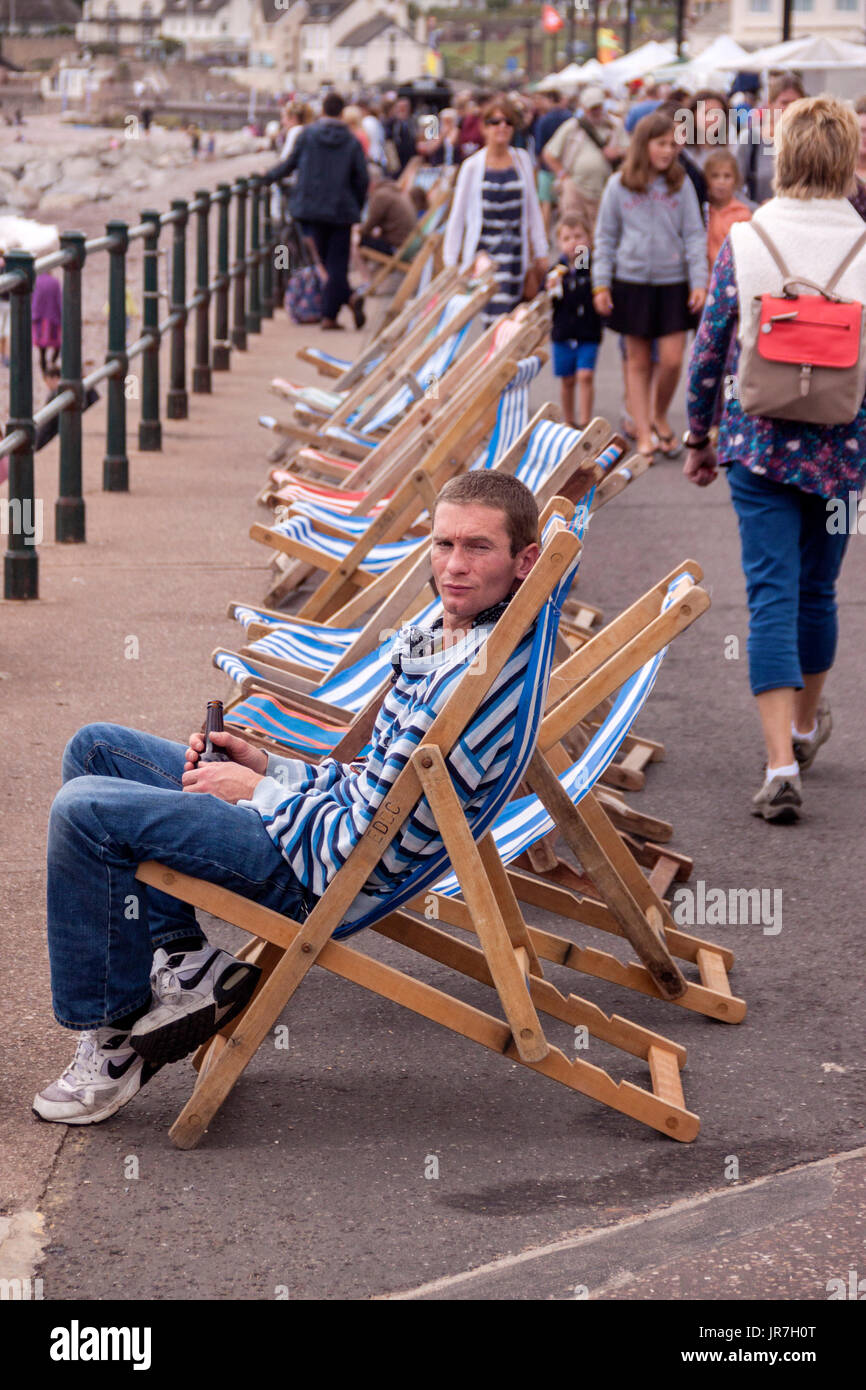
{"points": [[613, 76], [574, 76], [826, 65], [710, 68], [639, 63]]}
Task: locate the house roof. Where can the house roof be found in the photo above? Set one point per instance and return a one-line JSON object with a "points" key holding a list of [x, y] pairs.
{"points": [[51, 13], [194, 8], [363, 34], [272, 10], [323, 11]]}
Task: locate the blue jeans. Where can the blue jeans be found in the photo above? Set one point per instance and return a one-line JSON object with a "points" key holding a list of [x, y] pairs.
{"points": [[121, 802], [791, 564], [334, 245]]}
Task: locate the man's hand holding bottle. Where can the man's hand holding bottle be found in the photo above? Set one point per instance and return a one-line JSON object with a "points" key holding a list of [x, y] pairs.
{"points": [[221, 763]]}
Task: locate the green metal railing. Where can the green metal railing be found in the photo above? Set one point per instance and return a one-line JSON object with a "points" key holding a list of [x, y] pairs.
{"points": [[252, 275]]}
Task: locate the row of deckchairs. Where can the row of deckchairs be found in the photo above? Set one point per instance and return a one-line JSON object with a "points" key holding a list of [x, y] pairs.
{"points": [[466, 884], [360, 542], [342, 545], [419, 256], [309, 685]]}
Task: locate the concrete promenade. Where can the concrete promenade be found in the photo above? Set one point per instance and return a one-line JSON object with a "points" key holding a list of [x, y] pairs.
{"points": [[312, 1179]]}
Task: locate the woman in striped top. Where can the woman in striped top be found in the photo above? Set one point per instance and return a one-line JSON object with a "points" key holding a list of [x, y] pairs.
{"points": [[496, 209]]}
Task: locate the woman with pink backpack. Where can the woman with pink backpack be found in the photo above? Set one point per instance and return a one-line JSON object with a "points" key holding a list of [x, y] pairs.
{"points": [[791, 284]]}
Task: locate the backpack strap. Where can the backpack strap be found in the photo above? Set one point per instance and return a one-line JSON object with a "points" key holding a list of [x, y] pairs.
{"points": [[790, 279], [773, 250], [837, 275]]}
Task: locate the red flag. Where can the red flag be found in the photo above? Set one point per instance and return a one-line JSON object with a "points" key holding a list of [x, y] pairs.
{"points": [[551, 22]]}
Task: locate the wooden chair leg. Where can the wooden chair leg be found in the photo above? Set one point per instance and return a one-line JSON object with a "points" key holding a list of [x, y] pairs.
{"points": [[265, 955], [594, 840], [496, 942]]}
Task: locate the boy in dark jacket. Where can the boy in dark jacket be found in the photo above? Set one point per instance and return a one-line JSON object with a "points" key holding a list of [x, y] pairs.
{"points": [[577, 328], [327, 199]]}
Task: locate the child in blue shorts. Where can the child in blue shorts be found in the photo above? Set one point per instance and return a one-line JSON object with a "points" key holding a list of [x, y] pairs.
{"points": [[577, 328]]}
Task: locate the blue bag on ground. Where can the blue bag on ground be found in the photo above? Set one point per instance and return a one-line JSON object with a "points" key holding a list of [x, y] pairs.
{"points": [[304, 295]]}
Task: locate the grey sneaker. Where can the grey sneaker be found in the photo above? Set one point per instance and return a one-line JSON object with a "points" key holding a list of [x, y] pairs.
{"points": [[195, 994], [780, 799], [805, 750], [103, 1075]]}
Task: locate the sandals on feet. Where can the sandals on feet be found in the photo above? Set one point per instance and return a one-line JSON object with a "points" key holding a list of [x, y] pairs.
{"points": [[668, 444]]}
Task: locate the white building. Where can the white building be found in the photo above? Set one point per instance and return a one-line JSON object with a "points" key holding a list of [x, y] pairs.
{"points": [[127, 23], [344, 42], [379, 50], [202, 26], [208, 26], [756, 23]]}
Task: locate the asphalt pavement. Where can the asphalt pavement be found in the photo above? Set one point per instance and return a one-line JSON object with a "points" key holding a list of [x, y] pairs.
{"points": [[377, 1155]]}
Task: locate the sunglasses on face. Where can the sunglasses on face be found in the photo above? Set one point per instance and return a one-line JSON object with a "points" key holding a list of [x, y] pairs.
{"points": [[498, 120]]}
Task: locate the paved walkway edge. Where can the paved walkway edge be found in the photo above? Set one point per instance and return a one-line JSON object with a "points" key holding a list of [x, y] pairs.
{"points": [[656, 1237]]}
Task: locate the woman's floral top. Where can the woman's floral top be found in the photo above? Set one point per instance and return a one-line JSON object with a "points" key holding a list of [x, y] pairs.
{"points": [[829, 460]]}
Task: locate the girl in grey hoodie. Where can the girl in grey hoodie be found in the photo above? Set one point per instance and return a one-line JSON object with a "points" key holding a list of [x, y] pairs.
{"points": [[650, 272]]}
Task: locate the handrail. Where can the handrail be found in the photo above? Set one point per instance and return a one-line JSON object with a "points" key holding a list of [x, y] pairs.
{"points": [[243, 289]]}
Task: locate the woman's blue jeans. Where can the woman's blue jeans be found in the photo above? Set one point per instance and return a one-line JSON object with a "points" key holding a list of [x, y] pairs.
{"points": [[791, 563], [121, 803]]}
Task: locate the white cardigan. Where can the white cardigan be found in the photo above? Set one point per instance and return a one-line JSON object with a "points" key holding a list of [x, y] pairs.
{"points": [[463, 231]]}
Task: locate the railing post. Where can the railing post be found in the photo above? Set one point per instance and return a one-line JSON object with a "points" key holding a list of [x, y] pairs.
{"points": [[267, 267], [115, 465], [21, 562], [149, 428], [239, 270], [177, 401], [201, 381], [222, 346], [69, 507], [254, 311]]}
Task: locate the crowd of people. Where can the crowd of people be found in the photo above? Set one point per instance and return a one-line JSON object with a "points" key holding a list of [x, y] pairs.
{"points": [[641, 206], [674, 215]]}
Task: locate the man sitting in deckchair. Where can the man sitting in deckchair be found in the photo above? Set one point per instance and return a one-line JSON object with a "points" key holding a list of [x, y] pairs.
{"points": [[130, 967]]}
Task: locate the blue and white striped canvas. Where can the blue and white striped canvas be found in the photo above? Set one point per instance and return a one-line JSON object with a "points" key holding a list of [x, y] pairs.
{"points": [[351, 688], [379, 559], [526, 820], [512, 416]]}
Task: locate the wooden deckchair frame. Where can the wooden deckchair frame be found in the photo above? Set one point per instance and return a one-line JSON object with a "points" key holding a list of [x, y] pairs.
{"points": [[407, 443], [573, 476], [507, 957], [398, 367], [640, 632], [416, 440], [424, 305], [441, 456], [431, 243], [412, 435], [398, 447], [612, 894]]}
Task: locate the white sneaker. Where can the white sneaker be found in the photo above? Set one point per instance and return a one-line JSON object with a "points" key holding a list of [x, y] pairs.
{"points": [[104, 1074], [195, 994]]}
